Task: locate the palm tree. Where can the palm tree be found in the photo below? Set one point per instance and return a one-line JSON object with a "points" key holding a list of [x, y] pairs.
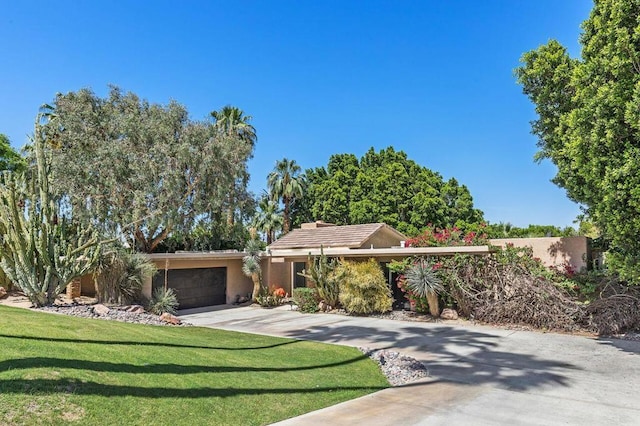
{"points": [[231, 122], [251, 265], [286, 183], [268, 219]]}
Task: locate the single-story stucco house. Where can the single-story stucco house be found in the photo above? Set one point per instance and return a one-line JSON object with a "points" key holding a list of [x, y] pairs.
{"points": [[215, 278]]}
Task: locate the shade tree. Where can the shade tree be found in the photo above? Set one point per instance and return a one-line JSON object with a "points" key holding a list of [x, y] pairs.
{"points": [[140, 170]]}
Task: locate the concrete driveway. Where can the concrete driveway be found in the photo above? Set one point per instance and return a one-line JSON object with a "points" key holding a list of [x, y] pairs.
{"points": [[478, 375]]}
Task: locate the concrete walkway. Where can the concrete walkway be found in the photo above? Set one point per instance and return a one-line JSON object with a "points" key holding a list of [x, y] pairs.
{"points": [[478, 375]]}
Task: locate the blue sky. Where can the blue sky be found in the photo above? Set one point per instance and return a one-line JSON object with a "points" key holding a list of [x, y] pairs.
{"points": [[432, 78]]}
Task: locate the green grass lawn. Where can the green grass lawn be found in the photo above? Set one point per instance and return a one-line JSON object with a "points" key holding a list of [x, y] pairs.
{"points": [[56, 369]]}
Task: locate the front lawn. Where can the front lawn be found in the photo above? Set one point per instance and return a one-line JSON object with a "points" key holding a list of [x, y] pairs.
{"points": [[56, 369]]}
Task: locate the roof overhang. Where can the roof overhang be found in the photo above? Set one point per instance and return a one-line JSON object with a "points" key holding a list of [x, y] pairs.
{"points": [[393, 252], [198, 255]]}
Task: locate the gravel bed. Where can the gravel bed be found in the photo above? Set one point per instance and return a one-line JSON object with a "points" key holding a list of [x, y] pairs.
{"points": [[115, 313], [397, 368]]}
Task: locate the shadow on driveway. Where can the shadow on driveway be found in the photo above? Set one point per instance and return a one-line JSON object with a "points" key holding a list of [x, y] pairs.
{"points": [[453, 354]]}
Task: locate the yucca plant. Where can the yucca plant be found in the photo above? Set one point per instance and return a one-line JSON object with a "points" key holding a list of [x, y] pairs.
{"points": [[422, 280], [120, 276], [251, 266], [163, 300]]}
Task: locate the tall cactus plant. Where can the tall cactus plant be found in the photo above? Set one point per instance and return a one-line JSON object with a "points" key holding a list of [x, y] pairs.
{"points": [[322, 272], [41, 252]]}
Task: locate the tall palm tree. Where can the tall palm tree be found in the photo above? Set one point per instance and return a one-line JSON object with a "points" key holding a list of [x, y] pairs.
{"points": [[269, 218], [286, 183], [231, 122]]}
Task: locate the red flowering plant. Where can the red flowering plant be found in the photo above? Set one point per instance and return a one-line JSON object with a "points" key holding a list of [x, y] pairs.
{"points": [[454, 236], [434, 271], [273, 296]]}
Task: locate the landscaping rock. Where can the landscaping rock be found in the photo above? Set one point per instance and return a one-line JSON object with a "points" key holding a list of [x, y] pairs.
{"points": [[100, 309], [171, 319], [135, 309], [449, 314], [116, 313], [397, 368], [3, 293]]}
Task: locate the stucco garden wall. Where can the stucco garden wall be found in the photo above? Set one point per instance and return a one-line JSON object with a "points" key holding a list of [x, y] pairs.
{"points": [[554, 251]]}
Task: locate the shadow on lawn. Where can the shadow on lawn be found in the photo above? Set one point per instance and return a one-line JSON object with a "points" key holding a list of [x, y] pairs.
{"points": [[453, 354], [77, 387], [110, 367], [134, 343]]}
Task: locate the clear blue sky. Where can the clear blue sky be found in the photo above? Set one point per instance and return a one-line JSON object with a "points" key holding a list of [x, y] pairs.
{"points": [[432, 78]]}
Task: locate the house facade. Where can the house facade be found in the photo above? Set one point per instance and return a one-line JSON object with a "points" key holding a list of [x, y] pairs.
{"points": [[215, 278]]}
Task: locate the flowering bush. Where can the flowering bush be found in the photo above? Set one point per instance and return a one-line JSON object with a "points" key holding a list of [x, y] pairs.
{"points": [[435, 237], [274, 296]]}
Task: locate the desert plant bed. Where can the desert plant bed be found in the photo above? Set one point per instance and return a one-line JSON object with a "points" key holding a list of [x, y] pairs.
{"points": [[56, 369]]}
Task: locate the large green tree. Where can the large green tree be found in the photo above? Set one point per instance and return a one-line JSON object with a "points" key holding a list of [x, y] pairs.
{"points": [[137, 169], [589, 122], [286, 184], [9, 158], [384, 186]]}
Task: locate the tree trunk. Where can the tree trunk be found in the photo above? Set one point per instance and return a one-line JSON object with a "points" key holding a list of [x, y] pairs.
{"points": [[434, 309], [256, 286], [286, 225]]}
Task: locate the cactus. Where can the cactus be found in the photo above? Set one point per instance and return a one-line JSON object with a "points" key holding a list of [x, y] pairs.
{"points": [[41, 252], [322, 273]]}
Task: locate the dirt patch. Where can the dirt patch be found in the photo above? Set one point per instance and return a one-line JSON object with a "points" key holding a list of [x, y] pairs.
{"points": [[43, 411], [16, 299]]}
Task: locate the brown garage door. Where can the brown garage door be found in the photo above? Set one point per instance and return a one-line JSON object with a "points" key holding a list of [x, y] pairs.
{"points": [[195, 287]]}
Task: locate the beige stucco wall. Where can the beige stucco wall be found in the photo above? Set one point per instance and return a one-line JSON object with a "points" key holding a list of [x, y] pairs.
{"points": [[382, 240], [87, 286], [553, 251], [237, 282], [277, 274]]}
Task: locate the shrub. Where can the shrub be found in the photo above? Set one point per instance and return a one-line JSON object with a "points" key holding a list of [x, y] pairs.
{"points": [[306, 299], [275, 296], [163, 300], [363, 288], [120, 276]]}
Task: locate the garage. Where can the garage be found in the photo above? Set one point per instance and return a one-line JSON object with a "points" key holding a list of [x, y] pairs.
{"points": [[195, 287]]}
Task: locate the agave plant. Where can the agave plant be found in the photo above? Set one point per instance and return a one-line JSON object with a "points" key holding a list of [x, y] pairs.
{"points": [[421, 280]]}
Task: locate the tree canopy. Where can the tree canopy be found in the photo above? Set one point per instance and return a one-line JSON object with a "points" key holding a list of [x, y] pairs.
{"points": [[9, 158], [507, 230], [286, 183], [138, 169], [385, 187], [589, 122]]}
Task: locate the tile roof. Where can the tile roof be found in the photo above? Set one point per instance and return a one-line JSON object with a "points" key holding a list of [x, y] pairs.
{"points": [[351, 236]]}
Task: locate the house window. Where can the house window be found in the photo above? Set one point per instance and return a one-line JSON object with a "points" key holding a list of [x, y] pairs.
{"points": [[298, 280]]}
